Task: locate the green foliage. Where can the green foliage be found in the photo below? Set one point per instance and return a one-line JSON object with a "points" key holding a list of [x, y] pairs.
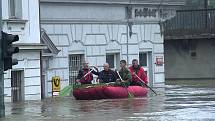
{"points": [[75, 86], [122, 84]]}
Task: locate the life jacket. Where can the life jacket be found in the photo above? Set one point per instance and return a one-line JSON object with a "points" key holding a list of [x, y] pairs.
{"points": [[140, 73], [88, 78]]}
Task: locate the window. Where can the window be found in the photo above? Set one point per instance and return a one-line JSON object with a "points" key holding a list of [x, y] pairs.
{"points": [[15, 9], [75, 63], [143, 59], [110, 60], [113, 60]]}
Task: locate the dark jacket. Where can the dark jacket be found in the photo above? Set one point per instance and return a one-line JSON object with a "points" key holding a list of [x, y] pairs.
{"points": [[107, 76]]}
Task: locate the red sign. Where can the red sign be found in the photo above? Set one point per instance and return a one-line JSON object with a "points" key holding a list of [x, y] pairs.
{"points": [[159, 60]]}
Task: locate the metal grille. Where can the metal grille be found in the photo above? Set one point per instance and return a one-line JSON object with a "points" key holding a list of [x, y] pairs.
{"points": [[17, 86], [74, 66]]}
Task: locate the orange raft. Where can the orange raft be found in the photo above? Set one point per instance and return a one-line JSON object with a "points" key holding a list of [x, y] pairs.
{"points": [[108, 92]]}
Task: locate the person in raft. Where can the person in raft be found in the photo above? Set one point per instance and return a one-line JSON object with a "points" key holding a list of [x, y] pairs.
{"points": [[107, 75], [85, 74], [124, 75], [138, 74]]}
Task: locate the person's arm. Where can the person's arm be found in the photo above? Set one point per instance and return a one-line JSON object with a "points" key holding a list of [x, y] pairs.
{"points": [[144, 76], [128, 76], [96, 73], [100, 79], [114, 73], [117, 76], [80, 74]]}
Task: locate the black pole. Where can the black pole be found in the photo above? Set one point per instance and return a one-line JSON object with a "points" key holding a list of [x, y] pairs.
{"points": [[143, 83], [2, 107]]}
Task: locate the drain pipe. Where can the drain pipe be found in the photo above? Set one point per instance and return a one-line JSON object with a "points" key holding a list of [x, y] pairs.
{"points": [[2, 106]]}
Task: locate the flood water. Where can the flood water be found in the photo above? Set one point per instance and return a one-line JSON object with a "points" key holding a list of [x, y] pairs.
{"points": [[192, 100]]}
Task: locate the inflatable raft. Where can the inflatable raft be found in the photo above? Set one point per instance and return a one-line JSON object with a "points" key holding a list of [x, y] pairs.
{"points": [[95, 92]]}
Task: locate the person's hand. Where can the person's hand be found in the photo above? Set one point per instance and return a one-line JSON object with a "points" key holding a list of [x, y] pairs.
{"points": [[96, 67], [99, 81], [118, 80], [77, 81]]}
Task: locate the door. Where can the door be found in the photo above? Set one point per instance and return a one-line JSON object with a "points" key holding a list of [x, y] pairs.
{"points": [[145, 60], [17, 86]]}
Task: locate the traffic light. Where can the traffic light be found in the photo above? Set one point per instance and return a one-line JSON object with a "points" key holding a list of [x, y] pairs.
{"points": [[8, 50]]}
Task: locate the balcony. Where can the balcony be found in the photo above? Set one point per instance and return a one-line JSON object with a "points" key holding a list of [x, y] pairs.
{"points": [[191, 24]]}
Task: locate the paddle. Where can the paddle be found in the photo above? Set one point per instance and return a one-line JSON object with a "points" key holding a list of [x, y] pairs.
{"points": [[86, 74], [66, 91], [129, 94], [145, 83]]}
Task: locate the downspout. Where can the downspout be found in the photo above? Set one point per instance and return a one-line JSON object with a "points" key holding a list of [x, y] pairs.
{"points": [[41, 65]]}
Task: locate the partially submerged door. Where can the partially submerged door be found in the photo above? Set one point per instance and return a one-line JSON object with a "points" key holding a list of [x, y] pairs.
{"points": [[17, 86]]}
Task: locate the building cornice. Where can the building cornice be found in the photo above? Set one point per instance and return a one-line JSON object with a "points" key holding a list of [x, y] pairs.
{"points": [[15, 20], [48, 42], [122, 2], [91, 21], [30, 46]]}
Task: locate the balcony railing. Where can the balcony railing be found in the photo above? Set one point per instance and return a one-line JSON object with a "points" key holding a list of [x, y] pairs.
{"points": [[188, 24]]}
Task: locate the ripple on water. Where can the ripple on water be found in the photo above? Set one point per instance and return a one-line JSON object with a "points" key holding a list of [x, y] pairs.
{"points": [[173, 103]]}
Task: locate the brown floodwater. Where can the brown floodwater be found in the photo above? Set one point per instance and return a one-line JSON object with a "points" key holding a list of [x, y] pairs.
{"points": [[184, 100]]}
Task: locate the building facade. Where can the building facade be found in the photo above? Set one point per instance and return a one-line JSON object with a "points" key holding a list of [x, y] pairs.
{"points": [[189, 45], [23, 82], [105, 31]]}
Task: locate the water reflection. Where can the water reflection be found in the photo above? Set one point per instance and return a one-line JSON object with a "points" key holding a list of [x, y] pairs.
{"points": [[17, 108], [179, 102]]}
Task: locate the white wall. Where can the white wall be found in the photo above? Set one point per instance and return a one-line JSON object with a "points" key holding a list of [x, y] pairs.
{"points": [[28, 29], [31, 67]]}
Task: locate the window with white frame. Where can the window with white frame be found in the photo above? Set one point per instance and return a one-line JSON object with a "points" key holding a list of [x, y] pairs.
{"points": [[15, 9], [113, 60], [143, 59]]}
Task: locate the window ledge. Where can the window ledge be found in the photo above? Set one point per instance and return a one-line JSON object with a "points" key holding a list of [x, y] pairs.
{"points": [[15, 25], [30, 46], [13, 20]]}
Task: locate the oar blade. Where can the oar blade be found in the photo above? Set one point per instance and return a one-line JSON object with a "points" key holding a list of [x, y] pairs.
{"points": [[66, 91]]}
